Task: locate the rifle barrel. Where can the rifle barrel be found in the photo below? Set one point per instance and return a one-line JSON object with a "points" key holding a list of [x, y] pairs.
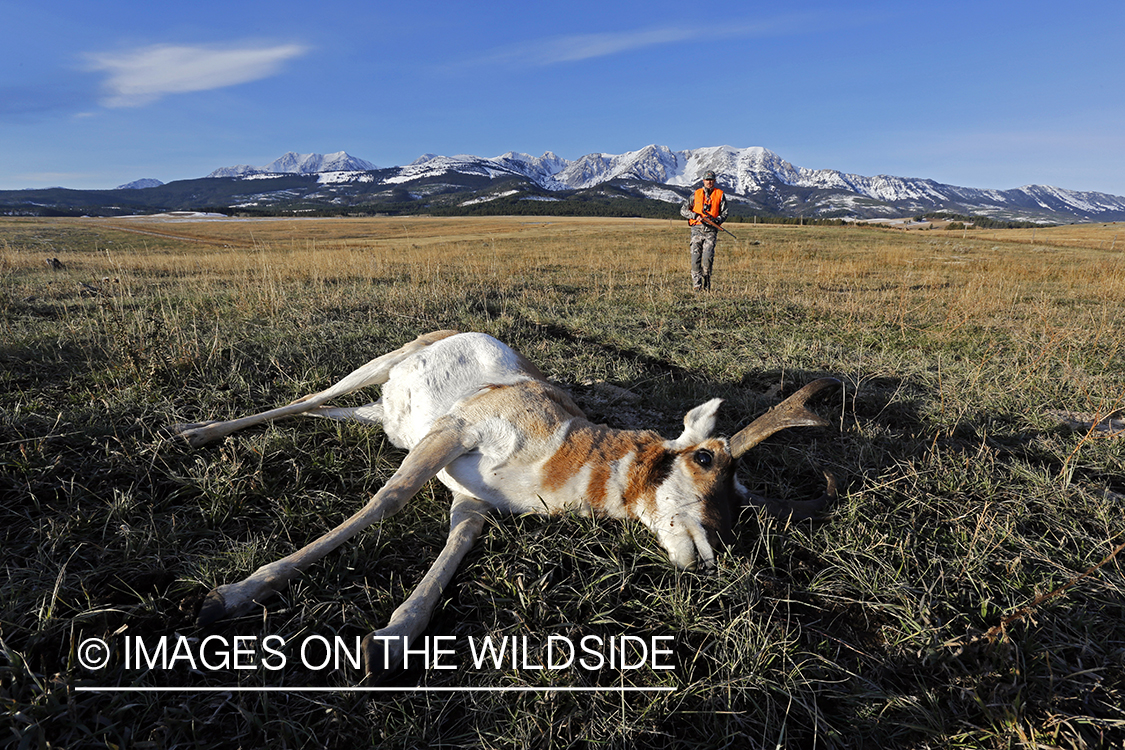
{"points": [[711, 223]]}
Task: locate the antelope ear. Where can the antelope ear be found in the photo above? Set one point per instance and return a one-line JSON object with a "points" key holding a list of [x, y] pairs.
{"points": [[699, 423]]}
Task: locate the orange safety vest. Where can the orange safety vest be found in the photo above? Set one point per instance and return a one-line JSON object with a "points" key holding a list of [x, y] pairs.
{"points": [[701, 206]]}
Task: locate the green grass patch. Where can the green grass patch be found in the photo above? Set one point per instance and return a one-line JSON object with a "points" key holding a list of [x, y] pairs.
{"points": [[963, 499]]}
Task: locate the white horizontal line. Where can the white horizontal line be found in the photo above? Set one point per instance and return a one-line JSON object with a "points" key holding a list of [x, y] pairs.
{"points": [[243, 689]]}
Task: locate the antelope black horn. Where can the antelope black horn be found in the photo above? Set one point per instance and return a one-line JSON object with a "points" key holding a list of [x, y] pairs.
{"points": [[789, 413]]}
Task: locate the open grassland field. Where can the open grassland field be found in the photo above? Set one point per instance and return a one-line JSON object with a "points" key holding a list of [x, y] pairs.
{"points": [[909, 616]]}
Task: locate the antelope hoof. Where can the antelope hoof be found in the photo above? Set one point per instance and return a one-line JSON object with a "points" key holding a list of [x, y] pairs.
{"points": [[214, 608], [381, 652], [196, 434], [186, 426]]}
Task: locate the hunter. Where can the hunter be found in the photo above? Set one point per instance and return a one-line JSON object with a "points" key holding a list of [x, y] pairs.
{"points": [[705, 211]]}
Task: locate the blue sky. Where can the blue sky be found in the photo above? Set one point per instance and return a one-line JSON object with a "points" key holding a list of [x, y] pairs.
{"points": [[978, 94]]}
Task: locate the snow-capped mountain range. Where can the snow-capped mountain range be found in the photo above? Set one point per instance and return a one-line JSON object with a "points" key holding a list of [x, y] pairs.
{"points": [[757, 181], [755, 177], [294, 163], [758, 175]]}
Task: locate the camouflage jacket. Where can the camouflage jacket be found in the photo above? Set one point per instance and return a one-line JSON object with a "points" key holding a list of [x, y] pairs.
{"points": [[687, 213]]}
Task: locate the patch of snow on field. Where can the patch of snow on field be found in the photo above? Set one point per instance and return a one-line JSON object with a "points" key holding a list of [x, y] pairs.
{"points": [[668, 196], [329, 178], [487, 198], [179, 215]]}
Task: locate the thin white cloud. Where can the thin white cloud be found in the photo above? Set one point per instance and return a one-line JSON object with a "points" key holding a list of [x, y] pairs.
{"points": [[586, 46], [145, 75], [577, 47]]}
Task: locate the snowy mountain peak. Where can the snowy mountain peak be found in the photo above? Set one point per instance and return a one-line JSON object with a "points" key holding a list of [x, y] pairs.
{"points": [[294, 163], [541, 169], [548, 161], [141, 184], [735, 168]]}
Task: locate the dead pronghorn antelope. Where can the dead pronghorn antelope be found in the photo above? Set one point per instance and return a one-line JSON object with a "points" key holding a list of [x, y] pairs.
{"points": [[486, 422]]}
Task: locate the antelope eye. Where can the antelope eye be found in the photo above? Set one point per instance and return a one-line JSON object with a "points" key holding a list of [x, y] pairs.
{"points": [[704, 457]]}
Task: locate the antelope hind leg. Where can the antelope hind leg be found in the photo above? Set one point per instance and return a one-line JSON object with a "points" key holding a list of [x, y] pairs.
{"points": [[367, 414], [444, 443], [375, 372], [385, 648]]}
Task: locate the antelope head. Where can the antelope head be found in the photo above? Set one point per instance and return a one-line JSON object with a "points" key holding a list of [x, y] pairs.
{"points": [[699, 492]]}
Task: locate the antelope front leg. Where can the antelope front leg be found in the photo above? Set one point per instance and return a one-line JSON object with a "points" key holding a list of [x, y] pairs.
{"points": [[446, 442], [384, 649]]}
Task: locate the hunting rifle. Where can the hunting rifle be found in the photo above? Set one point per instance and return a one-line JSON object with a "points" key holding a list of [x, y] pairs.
{"points": [[707, 220]]}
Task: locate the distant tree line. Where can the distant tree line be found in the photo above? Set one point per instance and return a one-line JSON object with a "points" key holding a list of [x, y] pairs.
{"points": [[980, 222], [595, 206], [822, 221], [399, 202], [579, 205]]}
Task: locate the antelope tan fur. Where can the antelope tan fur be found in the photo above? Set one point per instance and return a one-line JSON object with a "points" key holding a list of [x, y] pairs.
{"points": [[485, 421]]}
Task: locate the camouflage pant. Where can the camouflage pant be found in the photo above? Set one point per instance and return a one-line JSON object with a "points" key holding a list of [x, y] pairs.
{"points": [[702, 255]]}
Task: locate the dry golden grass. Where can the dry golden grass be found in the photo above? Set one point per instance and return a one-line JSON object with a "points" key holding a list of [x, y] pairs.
{"points": [[843, 260], [1107, 237], [962, 499]]}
